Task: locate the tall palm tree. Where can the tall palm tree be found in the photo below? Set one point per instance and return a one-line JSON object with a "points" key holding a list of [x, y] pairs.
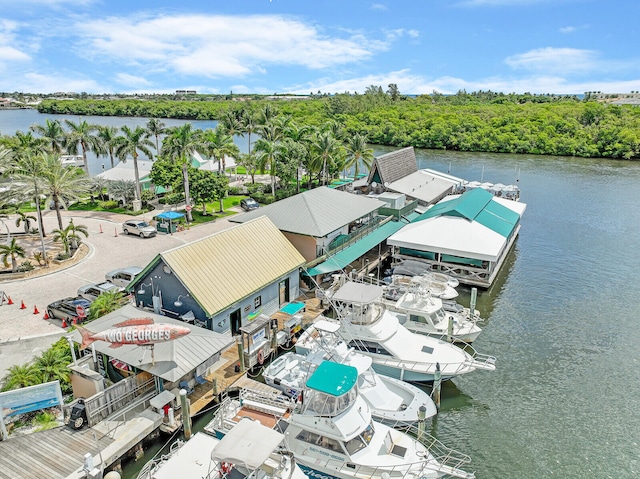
{"points": [[20, 376], [302, 136], [268, 150], [358, 152], [26, 142], [25, 219], [156, 128], [218, 143], [12, 251], [63, 184], [53, 133], [132, 142], [179, 145], [249, 124], [327, 150], [108, 138], [81, 134]]}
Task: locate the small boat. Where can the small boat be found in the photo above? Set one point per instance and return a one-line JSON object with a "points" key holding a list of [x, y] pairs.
{"points": [[248, 450], [72, 160], [397, 284], [391, 401], [411, 267], [332, 434], [421, 313], [366, 325]]}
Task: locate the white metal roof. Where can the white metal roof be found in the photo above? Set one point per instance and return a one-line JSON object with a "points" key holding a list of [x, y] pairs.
{"points": [[249, 443], [316, 212], [124, 171], [173, 359], [357, 293]]}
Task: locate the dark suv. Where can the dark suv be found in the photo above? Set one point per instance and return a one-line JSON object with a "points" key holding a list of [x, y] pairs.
{"points": [[249, 204], [69, 309]]}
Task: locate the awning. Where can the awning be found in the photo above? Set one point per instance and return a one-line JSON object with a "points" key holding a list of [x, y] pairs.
{"points": [[357, 249], [170, 215]]}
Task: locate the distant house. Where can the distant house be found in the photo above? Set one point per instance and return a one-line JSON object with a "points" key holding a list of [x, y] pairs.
{"points": [[123, 171], [224, 281], [467, 236]]}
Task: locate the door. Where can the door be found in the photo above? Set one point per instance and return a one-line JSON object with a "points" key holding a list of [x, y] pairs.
{"points": [[283, 289], [236, 321]]}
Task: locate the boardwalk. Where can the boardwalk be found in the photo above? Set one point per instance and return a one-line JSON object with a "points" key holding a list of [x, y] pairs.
{"points": [[53, 454]]}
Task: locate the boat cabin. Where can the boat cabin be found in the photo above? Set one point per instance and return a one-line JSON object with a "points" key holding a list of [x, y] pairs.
{"points": [[331, 389]]}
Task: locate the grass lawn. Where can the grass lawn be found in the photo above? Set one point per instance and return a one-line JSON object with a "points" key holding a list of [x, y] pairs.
{"points": [[95, 206]]}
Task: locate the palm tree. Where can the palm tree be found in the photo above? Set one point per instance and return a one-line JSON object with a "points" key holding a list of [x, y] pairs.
{"points": [[124, 189], [108, 138], [62, 235], [74, 233], [81, 134], [218, 143], [63, 184], [181, 143], [268, 151], [248, 124], [300, 135], [155, 128], [52, 365], [327, 149], [358, 152], [132, 142], [20, 376], [14, 251], [106, 303], [53, 133], [25, 219], [26, 142]]}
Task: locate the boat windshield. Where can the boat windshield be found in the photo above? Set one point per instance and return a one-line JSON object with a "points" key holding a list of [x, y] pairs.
{"points": [[361, 441]]}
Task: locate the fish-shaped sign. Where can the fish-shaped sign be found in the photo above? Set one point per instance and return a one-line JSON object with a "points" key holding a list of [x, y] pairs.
{"points": [[136, 331]]}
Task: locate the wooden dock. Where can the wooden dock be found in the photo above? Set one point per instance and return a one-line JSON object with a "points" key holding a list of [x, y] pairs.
{"points": [[55, 453], [313, 308]]}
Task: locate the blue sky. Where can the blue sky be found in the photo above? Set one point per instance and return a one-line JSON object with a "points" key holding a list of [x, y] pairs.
{"points": [[302, 46]]}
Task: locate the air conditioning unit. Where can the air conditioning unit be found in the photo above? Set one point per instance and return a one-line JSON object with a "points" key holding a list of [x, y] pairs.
{"points": [[394, 200]]}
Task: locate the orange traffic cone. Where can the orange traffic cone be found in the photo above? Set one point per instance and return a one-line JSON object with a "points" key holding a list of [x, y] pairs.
{"points": [[74, 321], [46, 315], [64, 323], [35, 310], [10, 300], [22, 306]]}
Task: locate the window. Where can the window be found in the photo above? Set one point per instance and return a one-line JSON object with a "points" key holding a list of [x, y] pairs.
{"points": [[257, 302], [318, 440], [361, 441], [369, 346]]}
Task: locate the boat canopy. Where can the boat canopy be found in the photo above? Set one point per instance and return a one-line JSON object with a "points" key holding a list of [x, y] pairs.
{"points": [[358, 293], [333, 378], [248, 443]]}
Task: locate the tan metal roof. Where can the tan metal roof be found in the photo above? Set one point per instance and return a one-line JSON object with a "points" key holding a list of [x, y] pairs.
{"points": [[230, 265]]}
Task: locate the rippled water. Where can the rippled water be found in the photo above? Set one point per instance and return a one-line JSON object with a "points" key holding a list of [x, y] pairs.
{"points": [[562, 318]]}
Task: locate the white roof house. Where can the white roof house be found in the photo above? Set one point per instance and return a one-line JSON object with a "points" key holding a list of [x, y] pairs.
{"points": [[124, 171]]}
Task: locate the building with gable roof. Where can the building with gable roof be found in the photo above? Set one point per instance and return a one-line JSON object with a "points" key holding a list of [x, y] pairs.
{"points": [[467, 236], [224, 281]]}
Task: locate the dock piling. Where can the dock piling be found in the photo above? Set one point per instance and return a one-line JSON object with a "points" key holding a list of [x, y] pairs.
{"points": [[186, 417], [437, 382]]}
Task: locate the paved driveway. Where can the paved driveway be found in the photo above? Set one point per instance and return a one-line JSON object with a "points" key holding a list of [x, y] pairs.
{"points": [[107, 252]]}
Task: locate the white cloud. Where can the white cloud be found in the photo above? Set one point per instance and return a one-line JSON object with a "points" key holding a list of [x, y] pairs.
{"points": [[9, 46], [216, 45], [43, 83], [555, 60], [567, 29], [378, 6], [131, 80]]}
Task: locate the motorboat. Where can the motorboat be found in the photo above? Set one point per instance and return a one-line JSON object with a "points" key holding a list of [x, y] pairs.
{"points": [[390, 400], [410, 267], [366, 325], [72, 160], [420, 312], [248, 450], [397, 284], [332, 434]]}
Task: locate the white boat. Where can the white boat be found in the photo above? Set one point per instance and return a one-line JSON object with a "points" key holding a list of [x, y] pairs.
{"points": [[390, 400], [366, 325], [397, 284], [420, 312], [248, 450], [332, 435], [409, 267], [72, 160]]}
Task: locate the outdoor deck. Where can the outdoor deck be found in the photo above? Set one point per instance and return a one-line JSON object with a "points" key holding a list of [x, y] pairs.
{"points": [[55, 453]]}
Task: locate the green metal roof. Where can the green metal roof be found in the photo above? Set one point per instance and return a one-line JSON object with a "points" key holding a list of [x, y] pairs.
{"points": [[333, 378], [357, 249], [476, 205]]}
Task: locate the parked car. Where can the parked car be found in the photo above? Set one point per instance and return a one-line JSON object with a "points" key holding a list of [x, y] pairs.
{"points": [[138, 227], [69, 309], [123, 276], [90, 292], [249, 204]]}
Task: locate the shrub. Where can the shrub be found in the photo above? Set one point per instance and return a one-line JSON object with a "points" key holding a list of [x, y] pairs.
{"points": [[62, 256], [235, 191], [25, 266], [254, 188], [285, 193], [268, 199], [108, 205], [34, 231], [259, 197], [173, 198], [147, 195]]}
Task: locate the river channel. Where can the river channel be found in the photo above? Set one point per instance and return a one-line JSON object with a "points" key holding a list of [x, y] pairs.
{"points": [[562, 319]]}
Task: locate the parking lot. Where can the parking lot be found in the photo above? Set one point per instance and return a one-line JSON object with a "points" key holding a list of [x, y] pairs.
{"points": [[109, 249]]}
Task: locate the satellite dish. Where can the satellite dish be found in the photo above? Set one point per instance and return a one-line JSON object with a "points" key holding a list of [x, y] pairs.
{"points": [[386, 184], [374, 184]]}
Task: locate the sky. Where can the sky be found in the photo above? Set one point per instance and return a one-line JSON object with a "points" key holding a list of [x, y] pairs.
{"points": [[304, 46]]}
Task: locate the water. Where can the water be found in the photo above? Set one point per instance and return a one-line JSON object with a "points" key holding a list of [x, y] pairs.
{"points": [[561, 318]]}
